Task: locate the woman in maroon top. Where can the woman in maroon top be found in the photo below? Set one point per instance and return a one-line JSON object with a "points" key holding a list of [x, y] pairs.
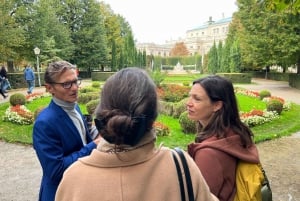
{"points": [[222, 139]]}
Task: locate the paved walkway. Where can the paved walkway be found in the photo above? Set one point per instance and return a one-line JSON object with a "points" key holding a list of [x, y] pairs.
{"points": [[20, 171], [277, 88]]}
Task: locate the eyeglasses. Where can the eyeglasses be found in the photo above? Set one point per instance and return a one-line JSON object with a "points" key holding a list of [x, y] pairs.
{"points": [[68, 85]]}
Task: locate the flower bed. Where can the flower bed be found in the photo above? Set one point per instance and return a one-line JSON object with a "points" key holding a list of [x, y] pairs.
{"points": [[18, 114], [161, 129], [257, 117]]}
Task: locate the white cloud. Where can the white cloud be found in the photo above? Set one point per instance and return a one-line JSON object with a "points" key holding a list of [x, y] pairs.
{"points": [[161, 20]]}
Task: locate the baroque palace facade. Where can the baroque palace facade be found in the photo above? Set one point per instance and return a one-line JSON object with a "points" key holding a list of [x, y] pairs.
{"points": [[198, 40]]}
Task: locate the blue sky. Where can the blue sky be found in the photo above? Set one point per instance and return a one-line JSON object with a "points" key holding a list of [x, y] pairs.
{"points": [[160, 20]]}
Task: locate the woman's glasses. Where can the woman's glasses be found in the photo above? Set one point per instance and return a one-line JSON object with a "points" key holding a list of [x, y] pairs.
{"points": [[68, 85]]}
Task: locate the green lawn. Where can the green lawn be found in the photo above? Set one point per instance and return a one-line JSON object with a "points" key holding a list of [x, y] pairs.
{"points": [[287, 124]]}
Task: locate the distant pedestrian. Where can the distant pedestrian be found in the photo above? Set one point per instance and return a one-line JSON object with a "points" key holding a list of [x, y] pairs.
{"points": [[1, 91], [30, 78], [4, 81]]}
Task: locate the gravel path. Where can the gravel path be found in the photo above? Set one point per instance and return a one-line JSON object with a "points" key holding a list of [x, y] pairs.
{"points": [[20, 171]]}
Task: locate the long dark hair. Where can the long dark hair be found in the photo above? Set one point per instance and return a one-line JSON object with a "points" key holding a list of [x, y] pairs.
{"points": [[221, 89]]}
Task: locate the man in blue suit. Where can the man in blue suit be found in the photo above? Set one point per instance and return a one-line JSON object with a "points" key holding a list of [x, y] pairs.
{"points": [[60, 133]]}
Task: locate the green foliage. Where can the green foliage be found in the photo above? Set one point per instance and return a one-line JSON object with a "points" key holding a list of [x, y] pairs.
{"points": [[86, 97], [213, 61], [97, 38], [89, 89], [287, 123], [89, 36], [185, 78], [172, 109], [92, 105], [12, 36], [186, 124], [157, 77], [225, 59], [17, 99], [173, 92], [247, 103], [58, 44], [283, 6], [186, 83], [235, 58], [179, 107], [96, 84], [264, 94], [266, 38], [237, 77], [275, 105], [177, 138]]}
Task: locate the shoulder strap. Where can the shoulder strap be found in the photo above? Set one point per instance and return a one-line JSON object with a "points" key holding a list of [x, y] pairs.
{"points": [[187, 174], [179, 176]]}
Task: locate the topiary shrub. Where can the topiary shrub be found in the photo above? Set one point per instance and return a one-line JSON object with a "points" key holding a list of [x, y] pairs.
{"points": [[187, 125], [84, 98], [263, 94], [89, 89], [186, 83], [173, 92], [179, 108], [96, 84], [275, 105], [91, 106], [17, 99], [165, 108]]}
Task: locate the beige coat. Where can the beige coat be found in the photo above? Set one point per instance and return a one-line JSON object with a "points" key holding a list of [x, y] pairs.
{"points": [[142, 174]]}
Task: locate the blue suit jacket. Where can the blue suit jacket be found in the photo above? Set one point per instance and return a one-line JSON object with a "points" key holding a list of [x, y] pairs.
{"points": [[58, 144]]}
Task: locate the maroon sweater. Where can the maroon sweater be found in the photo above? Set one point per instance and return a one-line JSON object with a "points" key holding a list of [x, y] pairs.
{"points": [[217, 160]]}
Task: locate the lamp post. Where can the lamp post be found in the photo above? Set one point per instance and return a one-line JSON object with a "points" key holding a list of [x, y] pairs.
{"points": [[37, 52]]}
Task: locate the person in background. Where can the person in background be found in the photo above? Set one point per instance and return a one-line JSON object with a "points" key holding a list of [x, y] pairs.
{"points": [[222, 139], [126, 164], [60, 133], [3, 76], [29, 78], [1, 91]]}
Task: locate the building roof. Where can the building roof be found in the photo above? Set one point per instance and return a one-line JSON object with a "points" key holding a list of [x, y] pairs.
{"points": [[204, 26]]}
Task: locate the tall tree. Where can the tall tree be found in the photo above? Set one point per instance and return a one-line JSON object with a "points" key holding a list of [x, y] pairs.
{"points": [[220, 56], [11, 33], [267, 38], [213, 59], [49, 34], [89, 36], [179, 49], [292, 6], [225, 60], [120, 39], [235, 58]]}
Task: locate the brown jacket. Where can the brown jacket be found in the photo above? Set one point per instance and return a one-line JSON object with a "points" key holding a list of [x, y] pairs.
{"points": [[143, 174], [217, 160]]}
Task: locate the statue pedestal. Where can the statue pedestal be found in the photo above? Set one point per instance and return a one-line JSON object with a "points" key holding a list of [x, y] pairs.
{"points": [[178, 69]]}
